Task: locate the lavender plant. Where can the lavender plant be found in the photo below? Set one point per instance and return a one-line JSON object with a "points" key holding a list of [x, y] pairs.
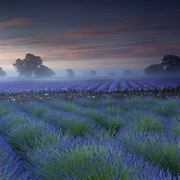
{"points": [[168, 108], [11, 165], [146, 122]]}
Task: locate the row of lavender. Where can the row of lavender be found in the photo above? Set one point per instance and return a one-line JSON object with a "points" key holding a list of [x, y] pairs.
{"points": [[89, 84], [88, 139]]}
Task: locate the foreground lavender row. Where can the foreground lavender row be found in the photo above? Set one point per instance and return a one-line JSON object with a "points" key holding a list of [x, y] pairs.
{"points": [[134, 138], [98, 85]]}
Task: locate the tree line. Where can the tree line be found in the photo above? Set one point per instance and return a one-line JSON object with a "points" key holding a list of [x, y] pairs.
{"points": [[32, 66]]}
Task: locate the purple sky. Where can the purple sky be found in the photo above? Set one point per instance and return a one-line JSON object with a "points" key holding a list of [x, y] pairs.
{"points": [[89, 33]]}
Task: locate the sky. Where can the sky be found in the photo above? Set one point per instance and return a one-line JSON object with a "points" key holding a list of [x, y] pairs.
{"points": [[89, 33]]}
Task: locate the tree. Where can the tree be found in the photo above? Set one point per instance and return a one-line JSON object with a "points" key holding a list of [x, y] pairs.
{"points": [[2, 72], [92, 73], [43, 71], [70, 73], [171, 63], [155, 69], [32, 65]]}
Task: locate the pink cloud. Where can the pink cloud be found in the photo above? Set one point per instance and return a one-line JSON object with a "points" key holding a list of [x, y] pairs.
{"points": [[90, 32], [14, 22], [138, 24]]}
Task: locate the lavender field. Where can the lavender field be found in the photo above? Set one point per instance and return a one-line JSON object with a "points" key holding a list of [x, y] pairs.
{"points": [[90, 129], [89, 90], [93, 84], [135, 138]]}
